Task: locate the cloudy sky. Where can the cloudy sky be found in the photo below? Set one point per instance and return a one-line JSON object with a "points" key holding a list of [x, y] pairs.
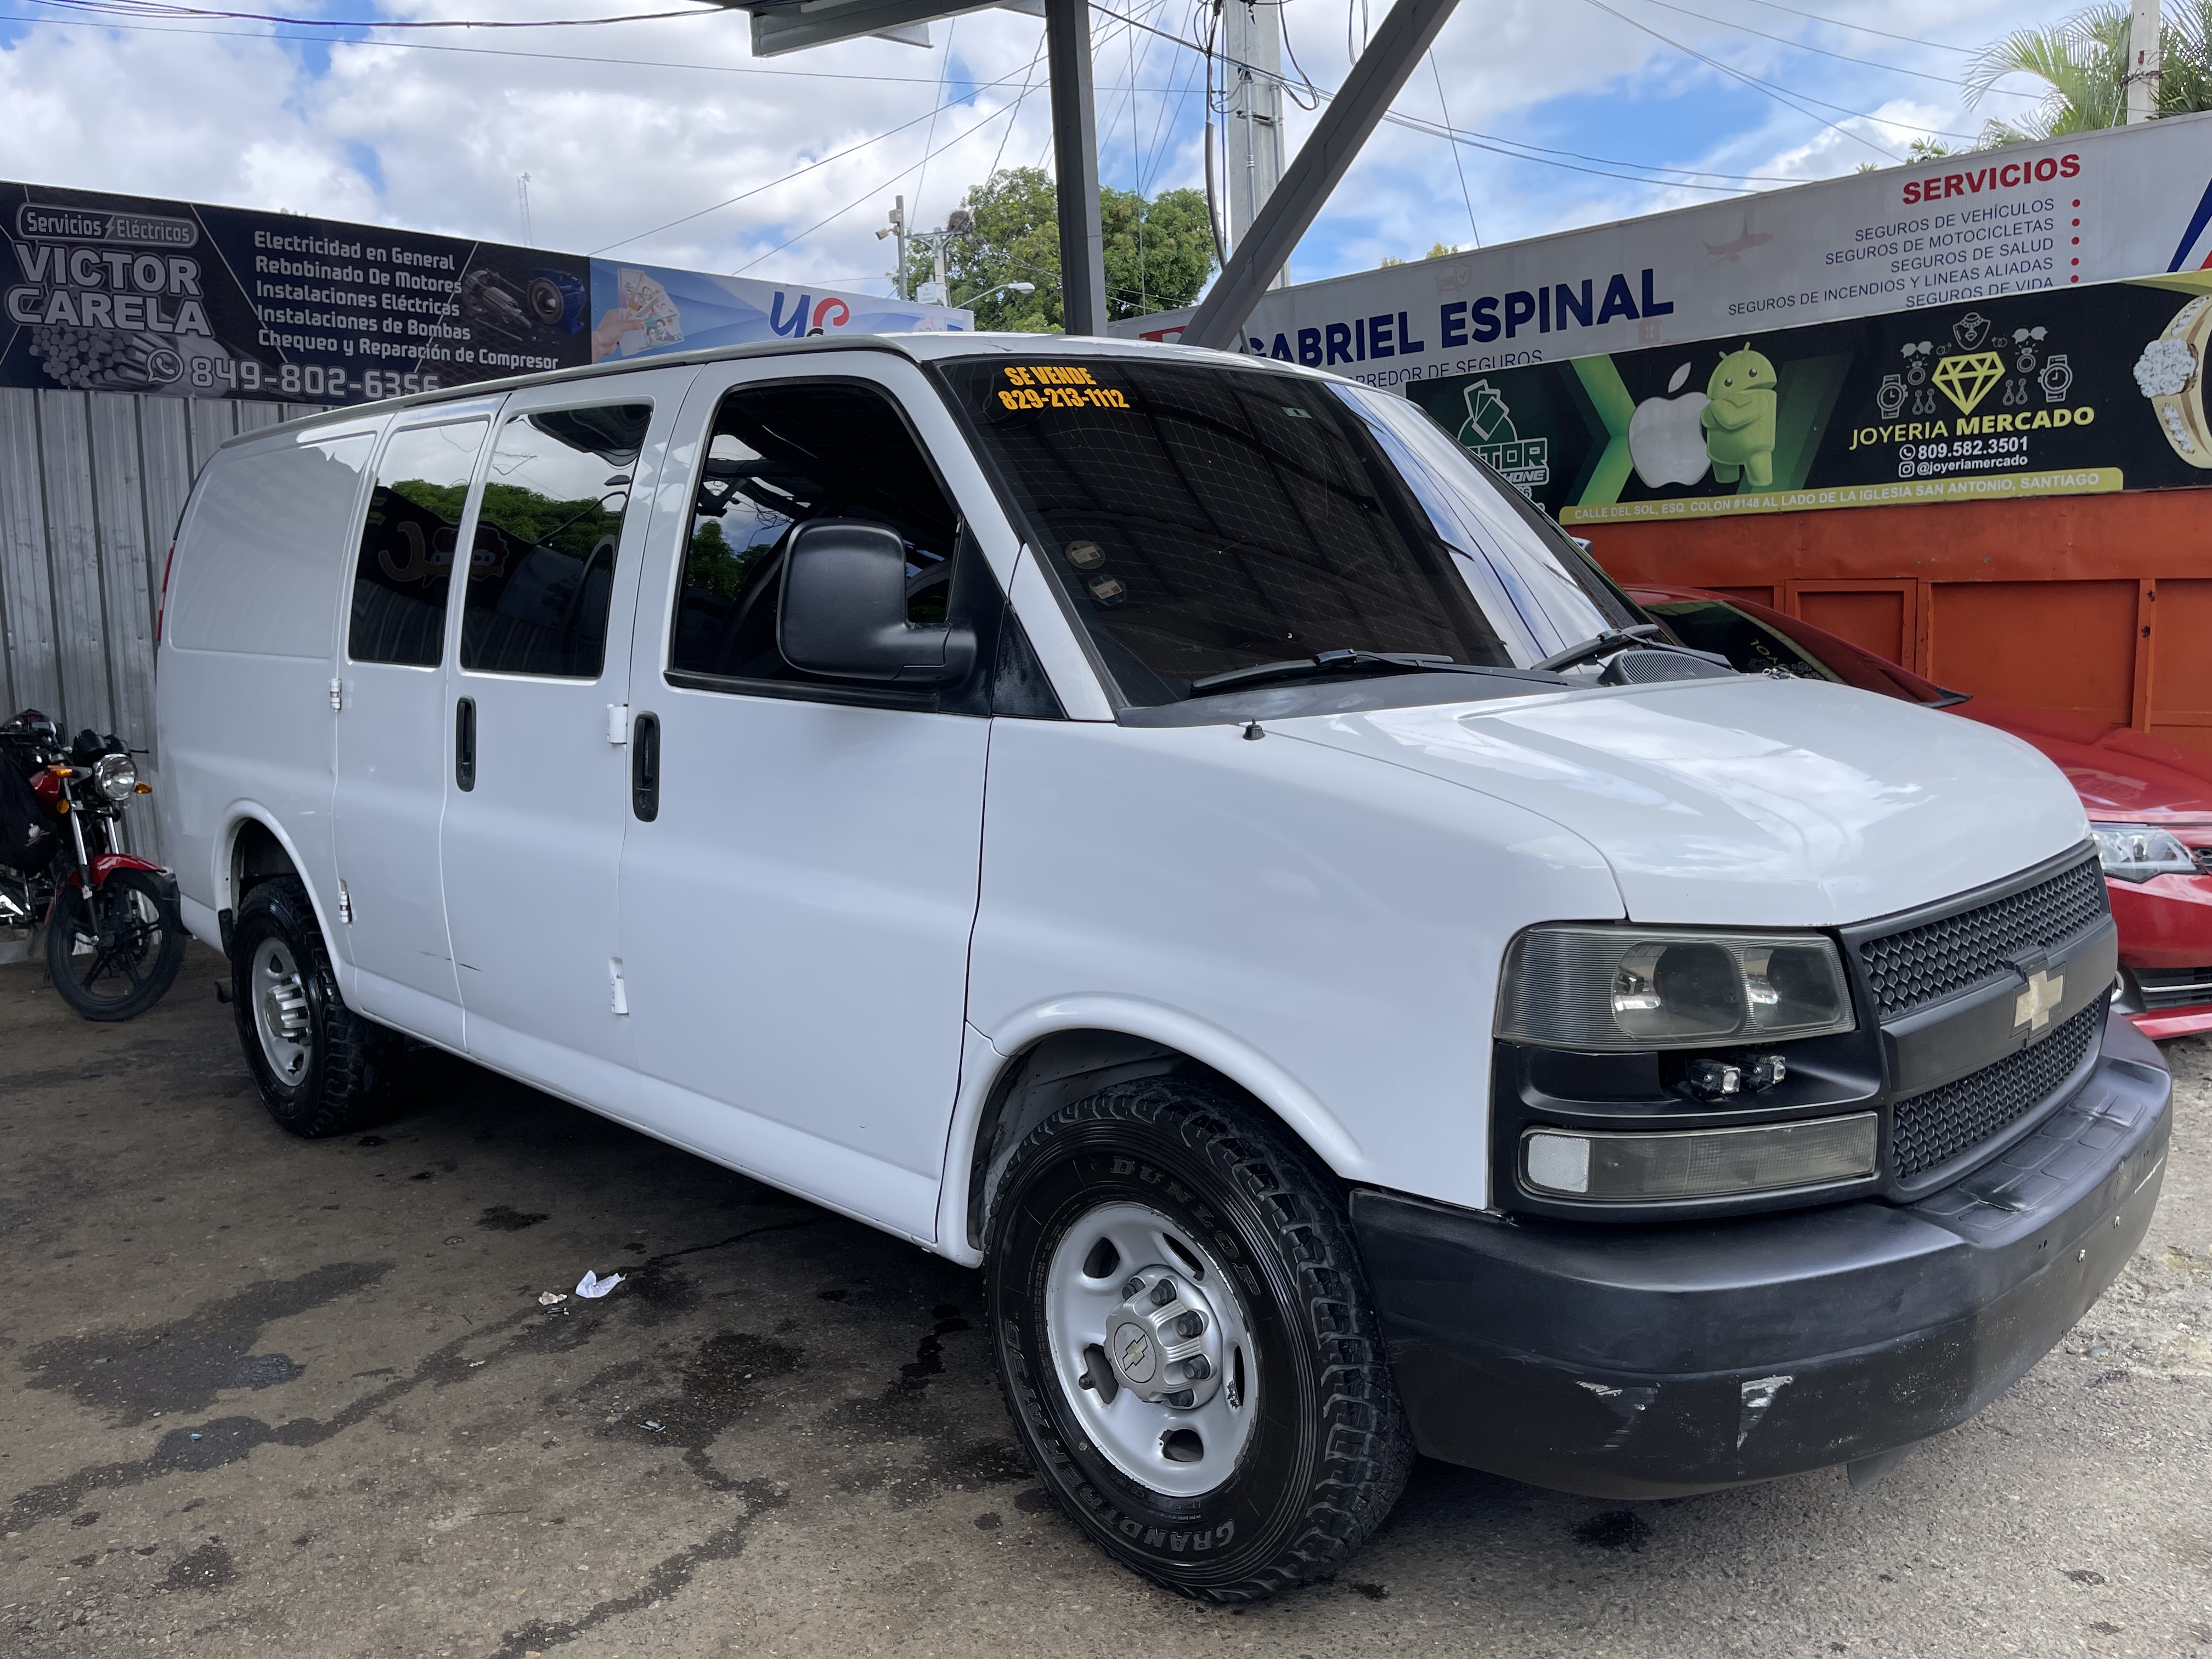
{"points": [[637, 136]]}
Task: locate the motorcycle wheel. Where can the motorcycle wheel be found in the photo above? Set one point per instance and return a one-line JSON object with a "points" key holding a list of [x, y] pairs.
{"points": [[114, 954]]}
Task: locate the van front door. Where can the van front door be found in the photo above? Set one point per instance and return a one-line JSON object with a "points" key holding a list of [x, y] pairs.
{"points": [[394, 745], [800, 874], [533, 826]]}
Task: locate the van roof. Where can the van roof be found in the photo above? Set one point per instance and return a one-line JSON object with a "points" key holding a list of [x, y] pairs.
{"points": [[931, 347]]}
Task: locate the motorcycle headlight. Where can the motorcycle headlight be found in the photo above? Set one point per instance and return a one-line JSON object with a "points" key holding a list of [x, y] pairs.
{"points": [[116, 776], [1625, 989], [2137, 851]]}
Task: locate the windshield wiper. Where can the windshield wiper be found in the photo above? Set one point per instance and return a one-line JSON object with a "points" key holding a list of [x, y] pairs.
{"points": [[1613, 639], [1332, 662]]}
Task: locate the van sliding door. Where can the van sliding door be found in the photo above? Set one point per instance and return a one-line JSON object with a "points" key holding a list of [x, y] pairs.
{"points": [[536, 804]]}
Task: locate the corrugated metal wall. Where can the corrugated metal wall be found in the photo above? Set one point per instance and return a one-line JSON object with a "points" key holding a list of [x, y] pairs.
{"points": [[91, 483]]}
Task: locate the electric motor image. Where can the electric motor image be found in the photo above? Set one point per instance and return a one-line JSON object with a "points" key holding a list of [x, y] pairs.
{"points": [[556, 300]]}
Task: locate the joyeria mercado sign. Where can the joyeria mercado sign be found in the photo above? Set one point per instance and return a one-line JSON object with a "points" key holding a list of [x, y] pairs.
{"points": [[2065, 392]]}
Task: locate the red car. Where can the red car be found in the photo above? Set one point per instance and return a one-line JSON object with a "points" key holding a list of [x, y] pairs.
{"points": [[2149, 802]]}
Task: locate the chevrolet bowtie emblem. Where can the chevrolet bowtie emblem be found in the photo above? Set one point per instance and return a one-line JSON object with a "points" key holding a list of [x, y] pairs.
{"points": [[2033, 1006]]}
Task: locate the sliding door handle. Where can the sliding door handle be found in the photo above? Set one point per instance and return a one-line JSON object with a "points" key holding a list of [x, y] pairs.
{"points": [[645, 767], [464, 743]]}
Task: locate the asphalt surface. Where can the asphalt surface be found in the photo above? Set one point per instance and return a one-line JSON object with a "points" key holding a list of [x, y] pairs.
{"points": [[259, 1396]]}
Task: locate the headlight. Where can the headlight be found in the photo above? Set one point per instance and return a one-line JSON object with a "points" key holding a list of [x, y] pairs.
{"points": [[117, 776], [1636, 989], [2137, 851], [1630, 1168]]}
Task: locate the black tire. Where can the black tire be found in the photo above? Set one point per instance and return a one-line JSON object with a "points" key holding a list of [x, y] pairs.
{"points": [[115, 953], [1327, 1450], [322, 1069]]}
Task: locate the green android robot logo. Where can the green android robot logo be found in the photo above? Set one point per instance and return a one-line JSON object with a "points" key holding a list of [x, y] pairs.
{"points": [[1739, 419]]}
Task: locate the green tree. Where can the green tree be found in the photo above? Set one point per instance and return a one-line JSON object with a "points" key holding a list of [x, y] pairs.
{"points": [[2083, 63], [1157, 253]]}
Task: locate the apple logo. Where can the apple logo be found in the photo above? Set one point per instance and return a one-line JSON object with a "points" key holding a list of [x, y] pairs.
{"points": [[1666, 437]]}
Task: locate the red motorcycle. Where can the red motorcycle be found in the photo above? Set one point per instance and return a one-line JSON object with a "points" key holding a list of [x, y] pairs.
{"points": [[114, 940]]}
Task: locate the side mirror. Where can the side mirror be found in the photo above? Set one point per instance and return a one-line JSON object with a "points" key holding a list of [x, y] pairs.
{"points": [[843, 610]]}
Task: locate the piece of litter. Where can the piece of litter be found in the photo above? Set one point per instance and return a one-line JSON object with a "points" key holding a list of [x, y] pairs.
{"points": [[590, 1285], [196, 1437], [473, 1363], [654, 1426], [549, 1298]]}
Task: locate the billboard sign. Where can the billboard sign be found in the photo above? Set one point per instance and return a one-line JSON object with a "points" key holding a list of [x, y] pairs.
{"points": [[642, 309], [2091, 208], [110, 293], [2067, 392]]}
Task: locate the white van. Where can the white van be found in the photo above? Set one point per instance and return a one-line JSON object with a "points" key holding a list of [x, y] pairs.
{"points": [[1175, 832]]}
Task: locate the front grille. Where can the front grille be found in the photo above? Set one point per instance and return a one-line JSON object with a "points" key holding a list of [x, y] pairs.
{"points": [[1930, 1130], [2174, 987], [1924, 963]]}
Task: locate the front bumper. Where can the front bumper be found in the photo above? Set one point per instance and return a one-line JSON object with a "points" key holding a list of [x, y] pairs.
{"points": [[1649, 1362], [2166, 931]]}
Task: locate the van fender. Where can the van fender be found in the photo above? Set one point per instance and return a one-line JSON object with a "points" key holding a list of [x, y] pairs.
{"points": [[985, 1056], [234, 817]]}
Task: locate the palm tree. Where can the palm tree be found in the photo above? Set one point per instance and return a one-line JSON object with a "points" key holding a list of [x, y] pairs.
{"points": [[2083, 65]]}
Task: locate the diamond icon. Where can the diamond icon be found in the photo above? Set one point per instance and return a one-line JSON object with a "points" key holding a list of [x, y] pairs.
{"points": [[1966, 379]]}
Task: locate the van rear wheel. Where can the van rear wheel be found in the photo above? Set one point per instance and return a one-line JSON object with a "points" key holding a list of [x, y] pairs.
{"points": [[321, 1067], [1186, 1343]]}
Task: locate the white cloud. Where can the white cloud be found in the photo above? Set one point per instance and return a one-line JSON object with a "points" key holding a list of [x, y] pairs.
{"points": [[435, 139]]}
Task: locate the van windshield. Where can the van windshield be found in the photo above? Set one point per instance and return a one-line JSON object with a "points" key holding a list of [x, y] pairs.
{"points": [[1204, 520]]}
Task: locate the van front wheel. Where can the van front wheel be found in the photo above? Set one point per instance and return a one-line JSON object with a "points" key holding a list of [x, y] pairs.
{"points": [[320, 1067], [1186, 1343]]}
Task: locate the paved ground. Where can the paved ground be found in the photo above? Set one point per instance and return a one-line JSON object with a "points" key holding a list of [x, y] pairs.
{"points": [[259, 1396]]}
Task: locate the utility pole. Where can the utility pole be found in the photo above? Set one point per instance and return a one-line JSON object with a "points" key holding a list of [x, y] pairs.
{"points": [[1327, 154], [1252, 40], [958, 223], [1075, 167], [2144, 56], [898, 229]]}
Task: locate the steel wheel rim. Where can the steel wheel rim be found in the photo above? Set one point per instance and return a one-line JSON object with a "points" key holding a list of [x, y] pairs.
{"points": [[279, 1000], [1178, 1451]]}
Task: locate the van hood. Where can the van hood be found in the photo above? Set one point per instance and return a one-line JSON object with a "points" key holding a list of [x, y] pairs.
{"points": [[1746, 802]]}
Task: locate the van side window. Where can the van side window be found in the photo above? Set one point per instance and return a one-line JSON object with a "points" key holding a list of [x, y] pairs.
{"points": [[777, 456], [266, 548], [407, 543], [548, 530]]}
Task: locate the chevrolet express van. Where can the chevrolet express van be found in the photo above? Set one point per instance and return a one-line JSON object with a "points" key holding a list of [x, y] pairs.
{"points": [[1176, 833]]}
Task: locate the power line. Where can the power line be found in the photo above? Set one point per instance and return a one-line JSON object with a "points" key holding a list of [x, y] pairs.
{"points": [[798, 173], [1457, 162], [1840, 57], [151, 9], [1485, 141], [1780, 94], [1838, 23], [497, 51]]}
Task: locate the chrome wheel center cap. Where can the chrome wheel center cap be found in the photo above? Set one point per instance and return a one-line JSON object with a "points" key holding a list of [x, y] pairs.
{"points": [[286, 1006], [1164, 1341]]}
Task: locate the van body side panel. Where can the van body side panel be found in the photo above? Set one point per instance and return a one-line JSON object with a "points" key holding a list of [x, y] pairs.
{"points": [[1338, 927], [250, 634]]}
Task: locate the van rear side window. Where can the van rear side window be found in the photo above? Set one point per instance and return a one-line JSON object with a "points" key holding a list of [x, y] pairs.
{"points": [[407, 543], [548, 531], [266, 548]]}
